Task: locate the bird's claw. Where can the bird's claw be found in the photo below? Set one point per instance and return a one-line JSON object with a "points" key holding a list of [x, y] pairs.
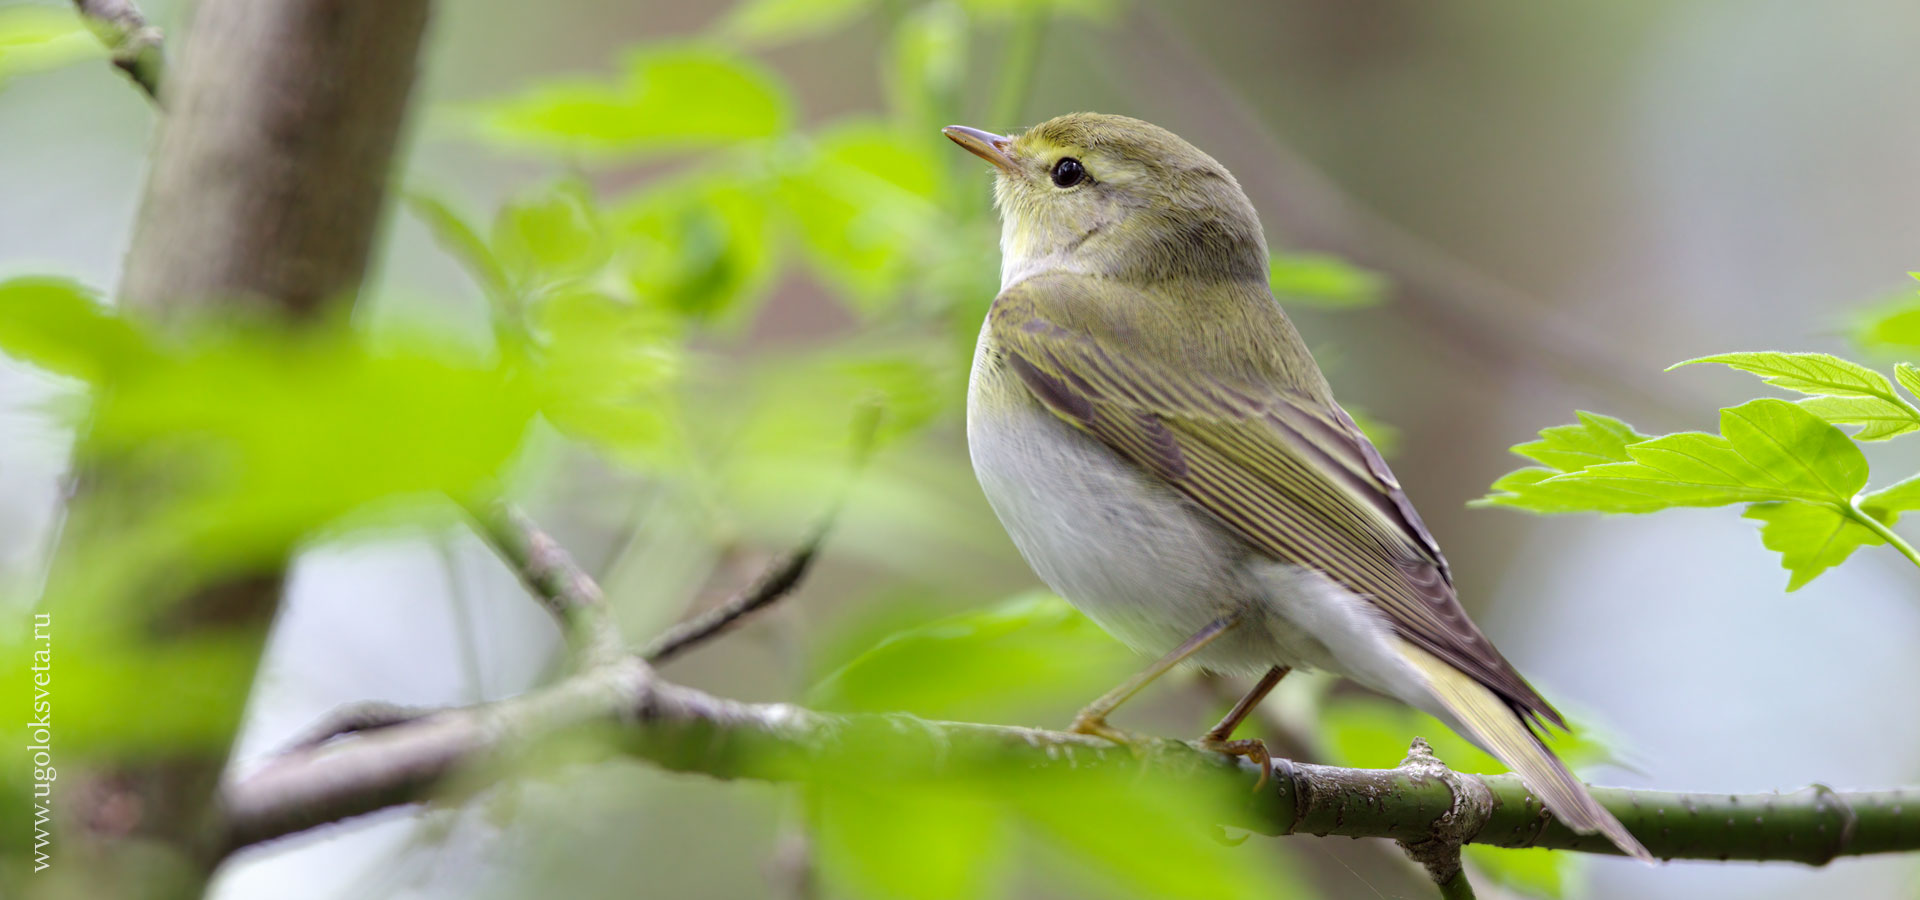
{"points": [[1253, 749]]}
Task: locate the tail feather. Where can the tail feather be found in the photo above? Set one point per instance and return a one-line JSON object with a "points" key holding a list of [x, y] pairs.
{"points": [[1495, 726]]}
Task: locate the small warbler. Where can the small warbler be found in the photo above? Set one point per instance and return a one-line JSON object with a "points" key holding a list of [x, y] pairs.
{"points": [[1165, 453]]}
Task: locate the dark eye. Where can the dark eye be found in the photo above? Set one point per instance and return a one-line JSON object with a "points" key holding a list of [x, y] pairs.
{"points": [[1068, 172]]}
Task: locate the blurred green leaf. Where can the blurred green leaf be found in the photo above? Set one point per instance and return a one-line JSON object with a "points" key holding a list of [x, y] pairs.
{"points": [[1312, 279], [1768, 449], [1532, 872], [605, 364], [1845, 392], [698, 247], [1374, 733], [984, 665], [866, 210], [910, 840], [550, 236], [1909, 377], [1891, 327], [774, 21], [39, 38], [672, 99], [1146, 837], [1810, 539], [59, 326]]}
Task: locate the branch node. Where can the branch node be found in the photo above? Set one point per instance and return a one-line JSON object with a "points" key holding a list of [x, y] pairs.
{"points": [[1829, 798], [1472, 802]]}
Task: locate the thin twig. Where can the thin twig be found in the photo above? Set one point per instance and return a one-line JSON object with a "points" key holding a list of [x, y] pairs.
{"points": [[557, 582], [357, 718], [784, 574], [136, 46]]}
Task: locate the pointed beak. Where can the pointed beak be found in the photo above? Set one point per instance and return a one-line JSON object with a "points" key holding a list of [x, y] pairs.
{"points": [[986, 145]]}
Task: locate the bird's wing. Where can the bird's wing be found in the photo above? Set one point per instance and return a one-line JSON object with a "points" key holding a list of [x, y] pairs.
{"points": [[1291, 474]]}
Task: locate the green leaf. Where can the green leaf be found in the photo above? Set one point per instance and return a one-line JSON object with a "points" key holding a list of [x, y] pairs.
{"points": [[1879, 419], [1562, 448], [1845, 392], [699, 247], [39, 38], [550, 236], [997, 663], [672, 100], [1596, 439], [1909, 377], [1311, 279], [605, 364], [1768, 449], [59, 326], [1819, 374], [866, 210], [1809, 538], [1885, 503], [773, 21], [1529, 872], [1892, 327], [921, 841]]}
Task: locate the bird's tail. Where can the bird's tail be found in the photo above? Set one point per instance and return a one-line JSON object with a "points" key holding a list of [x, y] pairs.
{"points": [[1494, 725]]}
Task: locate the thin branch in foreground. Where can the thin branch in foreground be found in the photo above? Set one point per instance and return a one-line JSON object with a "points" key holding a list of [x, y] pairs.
{"points": [[557, 582], [682, 729], [784, 574], [135, 45]]}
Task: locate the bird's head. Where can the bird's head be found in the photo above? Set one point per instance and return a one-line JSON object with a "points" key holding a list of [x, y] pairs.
{"points": [[1115, 196]]}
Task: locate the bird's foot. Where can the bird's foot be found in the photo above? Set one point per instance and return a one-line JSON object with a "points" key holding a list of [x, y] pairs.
{"points": [[1093, 723], [1253, 749]]}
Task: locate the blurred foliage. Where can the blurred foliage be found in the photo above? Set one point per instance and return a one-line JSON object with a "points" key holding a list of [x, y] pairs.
{"points": [[1891, 327], [38, 38], [1798, 474]]}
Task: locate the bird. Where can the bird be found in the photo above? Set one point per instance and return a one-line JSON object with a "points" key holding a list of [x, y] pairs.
{"points": [[1163, 450]]}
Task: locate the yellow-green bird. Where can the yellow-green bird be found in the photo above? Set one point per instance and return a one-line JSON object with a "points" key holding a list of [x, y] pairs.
{"points": [[1166, 454]]}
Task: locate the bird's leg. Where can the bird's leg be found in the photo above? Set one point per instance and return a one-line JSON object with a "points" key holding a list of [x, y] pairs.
{"points": [[1093, 719], [1219, 738]]}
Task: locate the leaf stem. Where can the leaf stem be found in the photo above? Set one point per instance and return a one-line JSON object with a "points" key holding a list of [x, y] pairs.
{"points": [[1880, 528]]}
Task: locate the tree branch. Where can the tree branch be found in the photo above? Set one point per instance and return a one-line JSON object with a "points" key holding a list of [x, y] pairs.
{"points": [[786, 572], [686, 730], [134, 44], [565, 589]]}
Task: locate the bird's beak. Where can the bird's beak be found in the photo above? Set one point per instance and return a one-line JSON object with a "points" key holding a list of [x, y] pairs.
{"points": [[986, 145]]}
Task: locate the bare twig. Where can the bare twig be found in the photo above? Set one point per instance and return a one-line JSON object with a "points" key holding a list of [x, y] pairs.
{"points": [[557, 582], [135, 45], [784, 574], [356, 718]]}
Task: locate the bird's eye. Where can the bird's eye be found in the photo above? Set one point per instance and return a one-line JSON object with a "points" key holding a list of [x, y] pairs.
{"points": [[1068, 172]]}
